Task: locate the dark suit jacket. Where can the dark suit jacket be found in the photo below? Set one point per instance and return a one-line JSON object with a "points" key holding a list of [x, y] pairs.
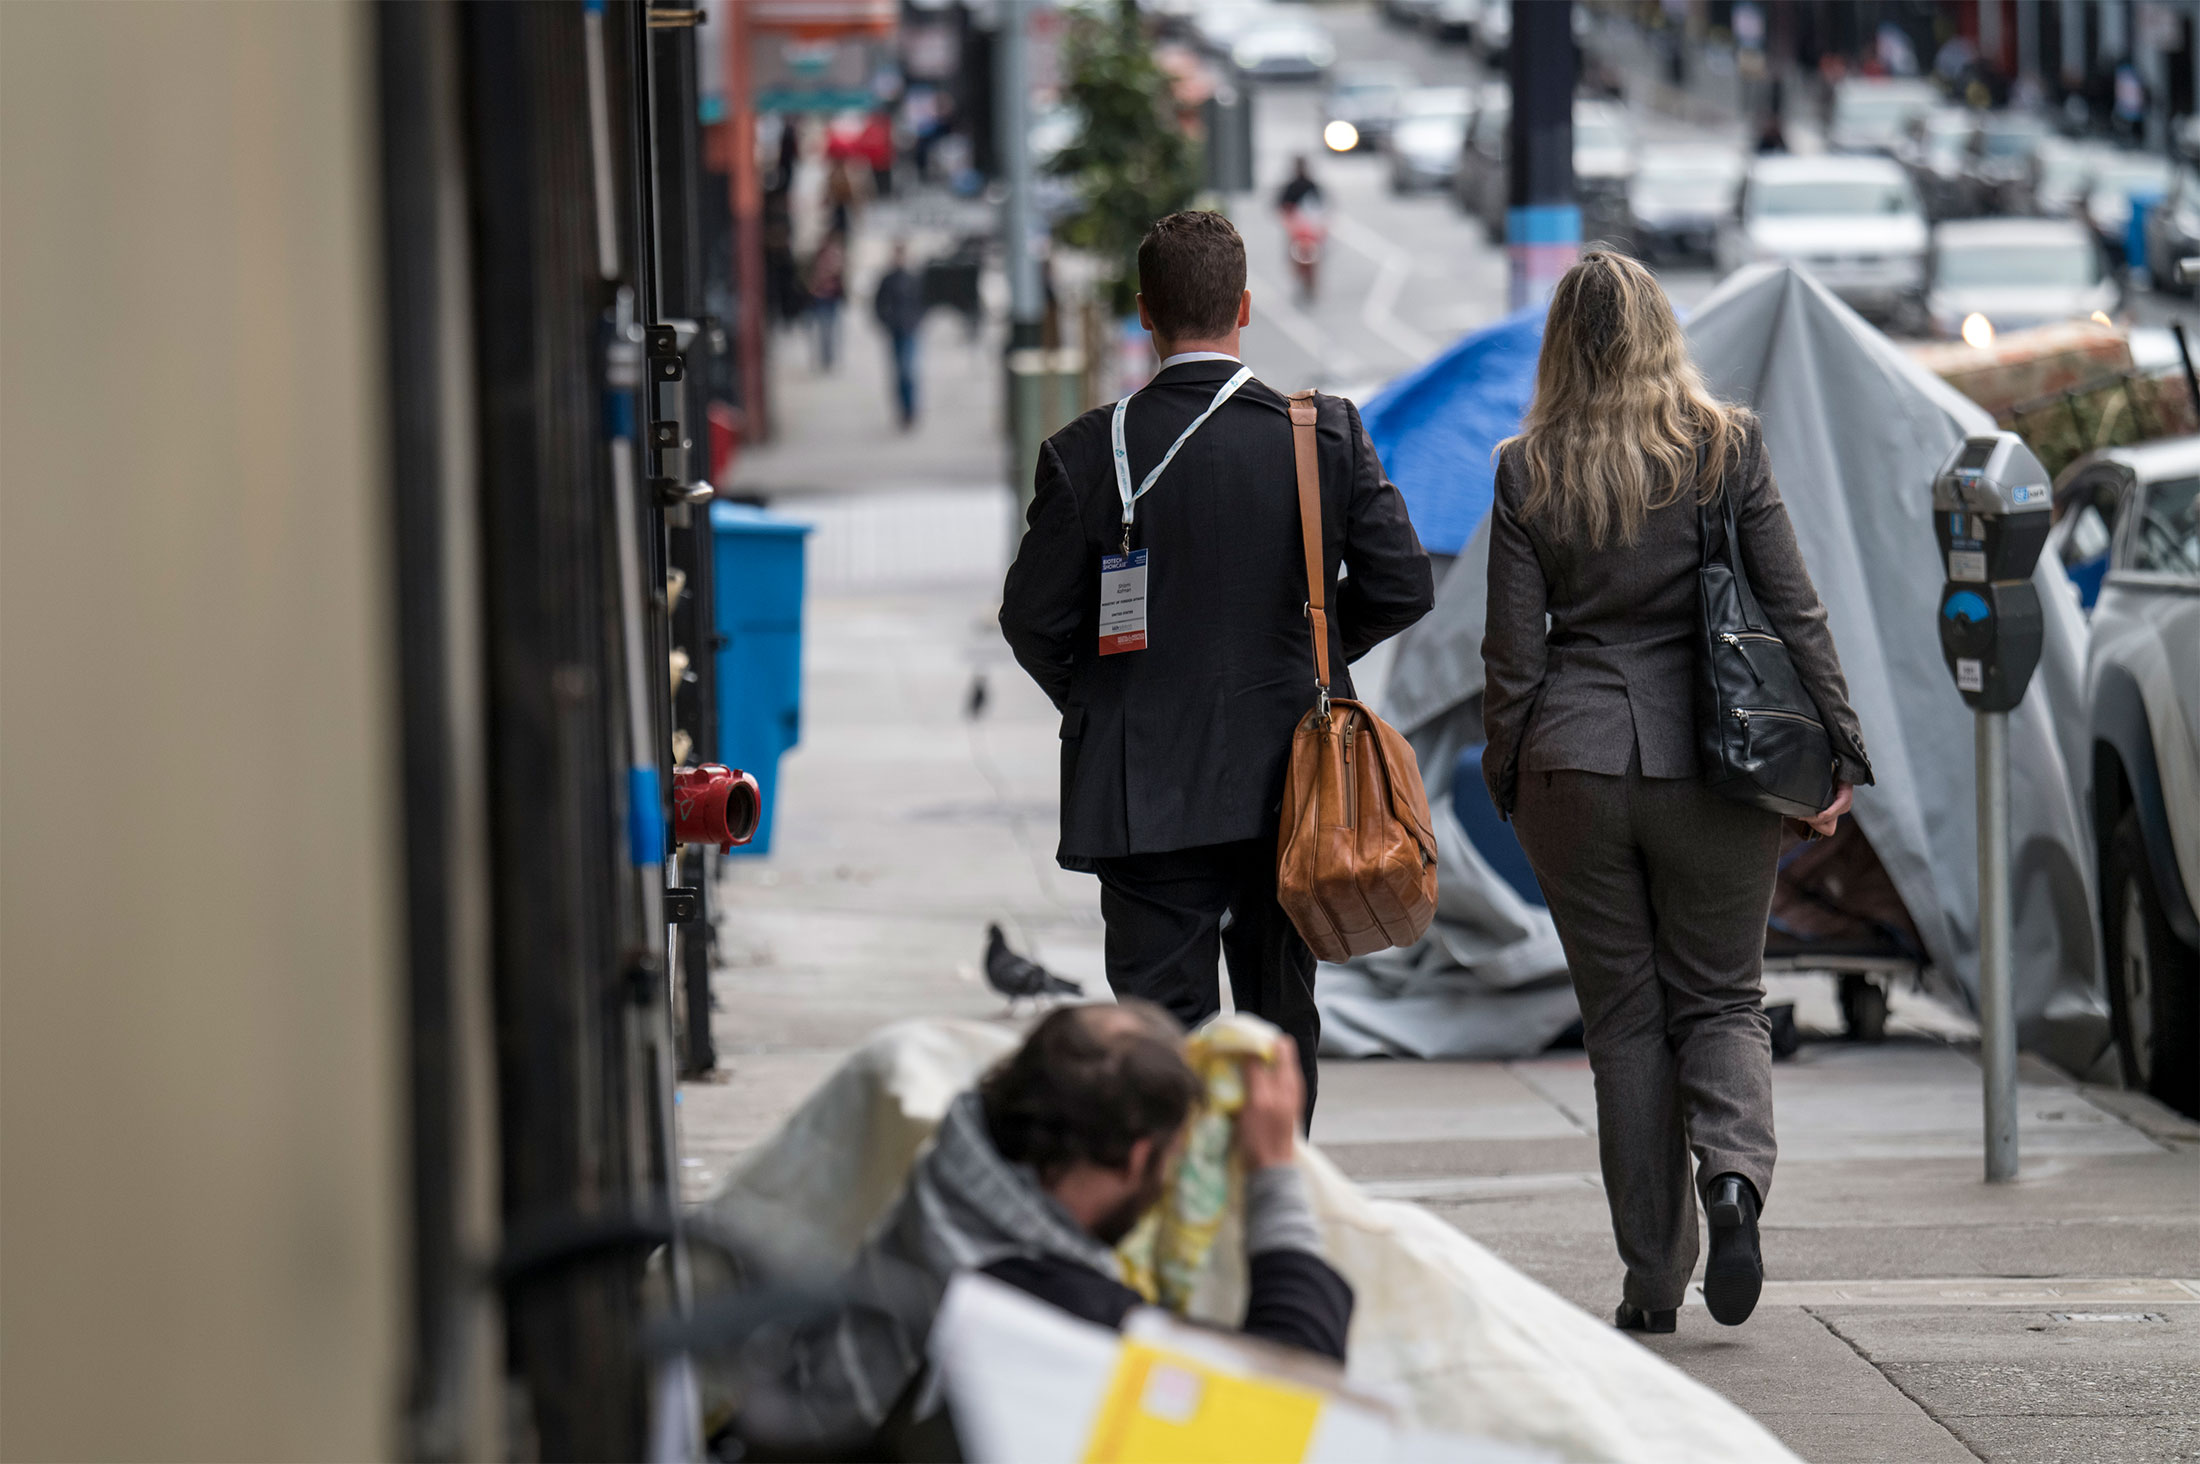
{"points": [[1184, 743], [1612, 677]]}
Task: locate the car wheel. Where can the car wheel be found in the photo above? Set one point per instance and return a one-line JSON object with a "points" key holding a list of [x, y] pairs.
{"points": [[2153, 978]]}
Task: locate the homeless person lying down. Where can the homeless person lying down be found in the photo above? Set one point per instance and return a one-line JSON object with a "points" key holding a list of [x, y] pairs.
{"points": [[1032, 1178]]}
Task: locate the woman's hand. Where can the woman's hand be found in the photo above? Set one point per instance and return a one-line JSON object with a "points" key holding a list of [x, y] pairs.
{"points": [[1824, 820]]}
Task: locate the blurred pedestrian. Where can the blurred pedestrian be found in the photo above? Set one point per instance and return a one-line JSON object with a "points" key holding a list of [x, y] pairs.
{"points": [[828, 289], [1177, 717], [899, 306], [1300, 202], [842, 195], [875, 144], [1660, 887]]}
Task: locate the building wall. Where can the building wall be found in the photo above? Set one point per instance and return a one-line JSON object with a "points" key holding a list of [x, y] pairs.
{"points": [[199, 1175]]}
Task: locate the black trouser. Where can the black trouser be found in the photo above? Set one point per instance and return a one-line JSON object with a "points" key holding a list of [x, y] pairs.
{"points": [[1165, 922]]}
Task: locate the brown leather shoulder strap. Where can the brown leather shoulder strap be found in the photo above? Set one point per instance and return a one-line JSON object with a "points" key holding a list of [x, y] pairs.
{"points": [[1310, 528]]}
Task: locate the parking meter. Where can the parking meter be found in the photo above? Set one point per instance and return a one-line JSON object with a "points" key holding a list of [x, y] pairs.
{"points": [[1990, 512], [1991, 504]]}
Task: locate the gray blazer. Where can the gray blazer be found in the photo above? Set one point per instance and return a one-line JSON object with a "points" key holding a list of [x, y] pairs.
{"points": [[1611, 677]]}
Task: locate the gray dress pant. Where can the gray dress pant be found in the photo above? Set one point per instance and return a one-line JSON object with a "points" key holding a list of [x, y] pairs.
{"points": [[1660, 890]]}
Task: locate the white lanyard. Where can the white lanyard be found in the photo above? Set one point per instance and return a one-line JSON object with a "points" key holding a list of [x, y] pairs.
{"points": [[1123, 459]]}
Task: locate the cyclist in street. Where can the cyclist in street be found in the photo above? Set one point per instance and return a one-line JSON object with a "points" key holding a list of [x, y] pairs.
{"points": [[1301, 204]]}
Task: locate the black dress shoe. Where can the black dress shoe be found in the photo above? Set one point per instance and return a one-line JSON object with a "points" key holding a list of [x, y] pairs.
{"points": [[1632, 1318], [1736, 1271]]}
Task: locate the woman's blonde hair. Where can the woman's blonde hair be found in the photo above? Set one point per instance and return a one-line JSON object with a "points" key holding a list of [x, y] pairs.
{"points": [[1619, 410]]}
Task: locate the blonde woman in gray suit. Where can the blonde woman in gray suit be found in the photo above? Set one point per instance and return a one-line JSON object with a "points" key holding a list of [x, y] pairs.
{"points": [[1659, 887]]}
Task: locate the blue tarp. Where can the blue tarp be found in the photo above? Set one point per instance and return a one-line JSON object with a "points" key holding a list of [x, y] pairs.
{"points": [[1437, 426]]}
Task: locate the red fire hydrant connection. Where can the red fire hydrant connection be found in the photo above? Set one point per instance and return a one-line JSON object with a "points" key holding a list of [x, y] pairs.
{"points": [[713, 804]]}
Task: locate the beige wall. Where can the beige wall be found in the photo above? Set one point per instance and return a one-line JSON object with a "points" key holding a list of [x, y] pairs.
{"points": [[199, 1182]]}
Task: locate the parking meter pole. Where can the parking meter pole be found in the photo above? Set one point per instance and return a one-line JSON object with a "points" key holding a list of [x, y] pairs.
{"points": [[1542, 218], [1990, 515], [1997, 1017]]}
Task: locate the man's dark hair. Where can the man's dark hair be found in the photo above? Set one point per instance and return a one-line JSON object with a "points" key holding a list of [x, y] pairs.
{"points": [[1191, 269], [1088, 1083]]}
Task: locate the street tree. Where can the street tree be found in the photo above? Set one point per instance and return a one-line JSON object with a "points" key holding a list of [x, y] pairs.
{"points": [[1132, 162]]}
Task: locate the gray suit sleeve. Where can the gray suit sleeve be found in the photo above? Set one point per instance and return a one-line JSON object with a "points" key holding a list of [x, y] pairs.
{"points": [[1783, 587], [1514, 654]]}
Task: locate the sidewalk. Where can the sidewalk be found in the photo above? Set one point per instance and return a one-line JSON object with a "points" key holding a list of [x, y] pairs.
{"points": [[1914, 1313]]}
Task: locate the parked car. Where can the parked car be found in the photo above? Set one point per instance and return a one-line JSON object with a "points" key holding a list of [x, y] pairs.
{"points": [[2117, 176], [1854, 222], [1604, 161], [2143, 696], [1678, 197], [2062, 175], [1478, 179], [1217, 24], [1604, 166], [1452, 20], [1284, 43], [1425, 143], [2173, 230], [1932, 150], [1407, 13], [1493, 30], [1365, 99], [2015, 273], [1998, 162], [1870, 113]]}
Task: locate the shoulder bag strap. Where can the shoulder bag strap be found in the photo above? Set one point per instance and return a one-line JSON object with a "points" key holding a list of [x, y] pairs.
{"points": [[1732, 547], [1310, 533]]}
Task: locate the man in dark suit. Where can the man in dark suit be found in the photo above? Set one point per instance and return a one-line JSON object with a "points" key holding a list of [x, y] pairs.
{"points": [[1176, 725]]}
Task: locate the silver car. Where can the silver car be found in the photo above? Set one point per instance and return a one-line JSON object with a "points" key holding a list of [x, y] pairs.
{"points": [[1679, 197], [2143, 690], [2015, 273], [1870, 114], [1854, 222], [1426, 138]]}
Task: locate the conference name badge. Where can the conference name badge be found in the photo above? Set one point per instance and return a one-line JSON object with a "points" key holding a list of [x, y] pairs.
{"points": [[1122, 602]]}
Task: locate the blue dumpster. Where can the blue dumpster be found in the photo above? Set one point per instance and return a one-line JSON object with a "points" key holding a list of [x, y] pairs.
{"points": [[757, 577], [1492, 837]]}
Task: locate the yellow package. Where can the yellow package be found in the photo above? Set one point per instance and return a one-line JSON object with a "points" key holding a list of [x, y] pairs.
{"points": [[1163, 1256]]}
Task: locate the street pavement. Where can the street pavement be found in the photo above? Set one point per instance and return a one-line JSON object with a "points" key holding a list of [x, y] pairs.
{"points": [[1913, 1313]]}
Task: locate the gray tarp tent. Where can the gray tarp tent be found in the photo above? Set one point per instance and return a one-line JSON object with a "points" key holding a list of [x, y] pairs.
{"points": [[1855, 429]]}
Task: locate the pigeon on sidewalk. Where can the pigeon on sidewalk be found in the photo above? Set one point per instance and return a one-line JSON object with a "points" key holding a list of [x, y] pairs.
{"points": [[1017, 977]]}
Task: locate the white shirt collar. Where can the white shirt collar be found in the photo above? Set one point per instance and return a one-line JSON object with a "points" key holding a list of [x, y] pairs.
{"points": [[1182, 358]]}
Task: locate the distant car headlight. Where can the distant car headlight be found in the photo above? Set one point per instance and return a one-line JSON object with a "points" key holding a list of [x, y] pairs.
{"points": [[1341, 136], [1978, 331]]}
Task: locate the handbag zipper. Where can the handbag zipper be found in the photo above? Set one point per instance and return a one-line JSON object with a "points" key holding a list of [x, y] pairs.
{"points": [[1743, 714], [1351, 784], [1729, 638]]}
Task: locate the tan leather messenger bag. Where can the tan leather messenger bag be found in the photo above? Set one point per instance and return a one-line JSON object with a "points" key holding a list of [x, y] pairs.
{"points": [[1356, 857]]}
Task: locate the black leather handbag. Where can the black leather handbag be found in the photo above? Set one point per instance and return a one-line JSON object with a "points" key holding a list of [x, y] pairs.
{"points": [[1759, 735]]}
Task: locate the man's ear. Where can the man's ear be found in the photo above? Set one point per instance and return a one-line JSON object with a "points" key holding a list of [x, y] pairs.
{"points": [[1144, 319], [1140, 1155], [1245, 309]]}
